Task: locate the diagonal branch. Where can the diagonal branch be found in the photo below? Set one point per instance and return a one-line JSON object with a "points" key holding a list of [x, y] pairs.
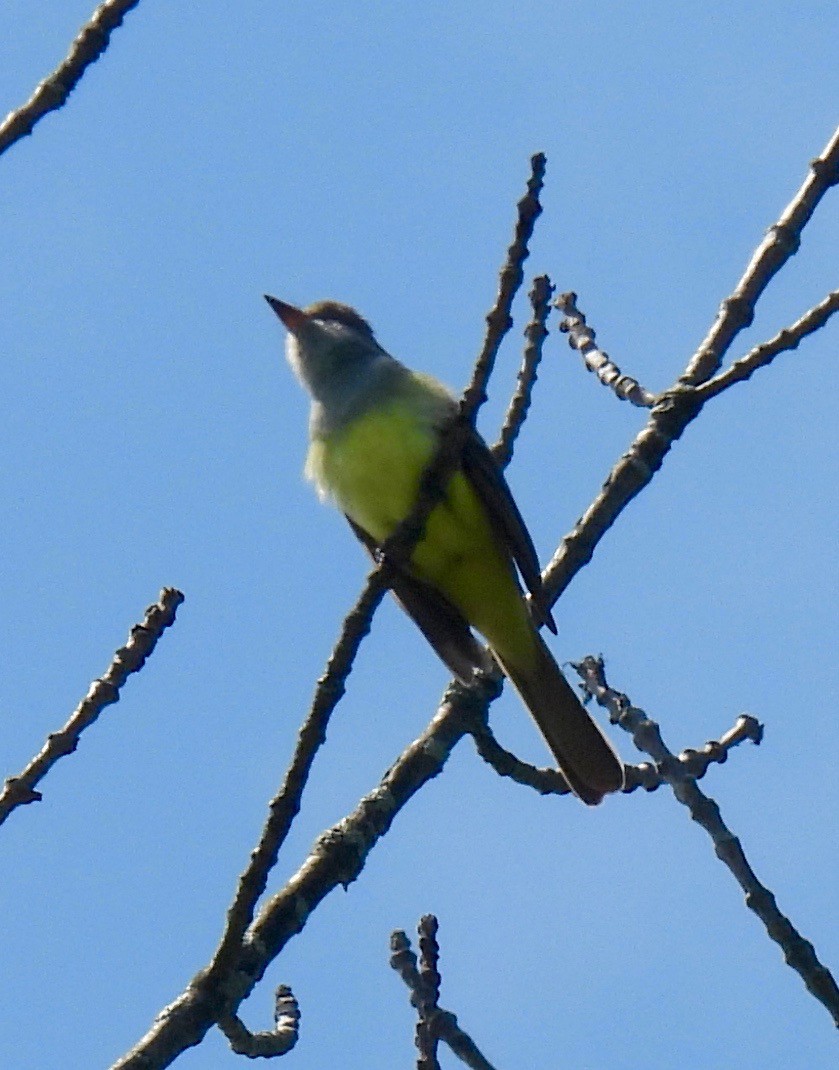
{"points": [[677, 407], [582, 338], [785, 340], [340, 853], [798, 952], [499, 320], [52, 93], [285, 805], [19, 790], [336, 859], [781, 242]]}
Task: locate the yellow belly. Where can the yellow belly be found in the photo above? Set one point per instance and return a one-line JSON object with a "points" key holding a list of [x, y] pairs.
{"points": [[372, 467]]}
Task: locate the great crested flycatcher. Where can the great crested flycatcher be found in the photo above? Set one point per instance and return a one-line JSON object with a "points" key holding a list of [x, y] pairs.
{"points": [[374, 427]]}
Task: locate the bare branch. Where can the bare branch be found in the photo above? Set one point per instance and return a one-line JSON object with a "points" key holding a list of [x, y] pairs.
{"points": [[272, 1043], [677, 407], [785, 340], [646, 776], [535, 334], [130, 658], [285, 806], [440, 1023], [671, 414], [337, 857], [781, 242], [499, 319], [435, 477], [581, 337], [798, 952], [336, 860], [52, 93]]}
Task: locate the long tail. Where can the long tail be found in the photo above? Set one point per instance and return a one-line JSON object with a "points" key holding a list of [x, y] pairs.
{"points": [[584, 755]]}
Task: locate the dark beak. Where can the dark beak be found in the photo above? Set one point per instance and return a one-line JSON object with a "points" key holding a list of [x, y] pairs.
{"points": [[294, 318]]}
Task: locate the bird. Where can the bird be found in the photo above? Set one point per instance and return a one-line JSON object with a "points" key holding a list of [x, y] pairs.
{"points": [[374, 426]]}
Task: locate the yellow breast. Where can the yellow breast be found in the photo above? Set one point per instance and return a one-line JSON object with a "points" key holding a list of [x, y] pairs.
{"points": [[371, 469]]}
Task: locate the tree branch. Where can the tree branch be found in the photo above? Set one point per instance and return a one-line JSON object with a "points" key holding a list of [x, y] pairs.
{"points": [[336, 859], [798, 952], [52, 93], [581, 337], [499, 319], [211, 996], [781, 242], [437, 1023], [677, 407], [285, 805], [130, 658], [785, 340], [535, 334]]}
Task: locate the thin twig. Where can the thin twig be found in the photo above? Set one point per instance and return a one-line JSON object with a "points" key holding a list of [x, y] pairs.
{"points": [[435, 477], [442, 1023], [785, 340], [427, 995], [781, 242], [646, 776], [581, 337], [130, 658], [677, 407], [270, 1043], [535, 334], [336, 859], [52, 93], [499, 319], [798, 952], [285, 805]]}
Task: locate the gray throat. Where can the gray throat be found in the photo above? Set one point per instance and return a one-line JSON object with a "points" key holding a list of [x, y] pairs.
{"points": [[350, 389]]}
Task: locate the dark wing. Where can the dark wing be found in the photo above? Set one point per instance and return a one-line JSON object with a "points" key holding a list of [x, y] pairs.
{"points": [[438, 620], [482, 471]]}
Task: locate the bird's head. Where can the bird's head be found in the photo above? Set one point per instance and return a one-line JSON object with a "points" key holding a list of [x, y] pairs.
{"points": [[329, 346]]}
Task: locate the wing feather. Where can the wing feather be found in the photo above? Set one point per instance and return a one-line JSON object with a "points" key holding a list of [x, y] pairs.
{"points": [[482, 470], [445, 628]]}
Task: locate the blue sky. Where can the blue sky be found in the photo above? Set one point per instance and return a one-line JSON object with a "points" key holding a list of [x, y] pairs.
{"points": [[153, 435]]}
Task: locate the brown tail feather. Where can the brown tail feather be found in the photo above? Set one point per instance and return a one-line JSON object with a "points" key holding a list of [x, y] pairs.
{"points": [[584, 755]]}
